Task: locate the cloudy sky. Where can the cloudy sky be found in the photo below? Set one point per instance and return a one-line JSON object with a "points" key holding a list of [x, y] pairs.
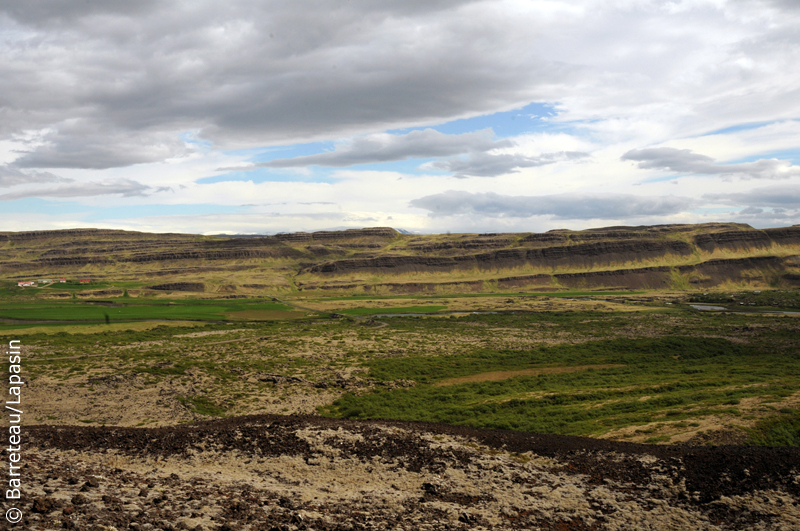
{"points": [[253, 116]]}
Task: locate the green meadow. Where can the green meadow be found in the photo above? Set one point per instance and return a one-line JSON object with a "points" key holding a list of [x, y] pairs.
{"points": [[665, 379], [659, 374]]}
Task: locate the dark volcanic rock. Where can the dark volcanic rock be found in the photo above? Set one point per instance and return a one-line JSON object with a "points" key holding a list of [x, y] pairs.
{"points": [[642, 278], [733, 240], [785, 235], [179, 286], [328, 474], [715, 272], [374, 233], [580, 255]]}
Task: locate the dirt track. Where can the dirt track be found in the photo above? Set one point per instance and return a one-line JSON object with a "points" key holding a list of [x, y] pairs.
{"points": [[295, 473]]}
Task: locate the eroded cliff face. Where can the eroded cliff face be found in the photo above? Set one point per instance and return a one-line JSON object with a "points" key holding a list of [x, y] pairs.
{"points": [[747, 240], [616, 257], [579, 255], [383, 260], [50, 250]]}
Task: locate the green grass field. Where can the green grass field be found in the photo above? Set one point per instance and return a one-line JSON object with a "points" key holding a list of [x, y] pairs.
{"points": [[649, 375], [673, 379]]}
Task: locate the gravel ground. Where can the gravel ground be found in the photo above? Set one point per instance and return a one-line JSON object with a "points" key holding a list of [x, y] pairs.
{"points": [[311, 473]]}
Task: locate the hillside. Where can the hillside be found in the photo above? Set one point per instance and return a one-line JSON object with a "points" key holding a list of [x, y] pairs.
{"points": [[384, 261]]}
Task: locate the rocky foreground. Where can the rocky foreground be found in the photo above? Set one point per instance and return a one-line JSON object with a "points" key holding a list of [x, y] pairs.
{"points": [[311, 473]]}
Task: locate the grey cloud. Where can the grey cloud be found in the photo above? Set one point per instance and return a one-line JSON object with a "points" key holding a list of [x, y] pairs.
{"points": [[84, 146], [685, 161], [61, 11], [11, 176], [767, 197], [561, 206], [766, 217], [791, 5], [681, 160], [64, 11], [252, 73], [124, 187], [427, 143], [488, 165]]}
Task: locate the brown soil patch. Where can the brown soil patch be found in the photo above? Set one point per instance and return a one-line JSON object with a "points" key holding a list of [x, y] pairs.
{"points": [[504, 375]]}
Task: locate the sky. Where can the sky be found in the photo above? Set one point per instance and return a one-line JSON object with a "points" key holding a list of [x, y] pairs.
{"points": [[430, 116]]}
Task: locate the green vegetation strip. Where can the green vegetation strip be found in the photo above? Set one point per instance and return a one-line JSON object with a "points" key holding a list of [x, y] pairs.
{"points": [[669, 379], [133, 310], [778, 430]]}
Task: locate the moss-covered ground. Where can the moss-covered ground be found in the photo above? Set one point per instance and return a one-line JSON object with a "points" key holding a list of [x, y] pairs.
{"points": [[651, 372]]}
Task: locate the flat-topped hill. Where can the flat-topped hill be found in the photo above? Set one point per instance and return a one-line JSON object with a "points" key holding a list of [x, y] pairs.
{"points": [[383, 260]]}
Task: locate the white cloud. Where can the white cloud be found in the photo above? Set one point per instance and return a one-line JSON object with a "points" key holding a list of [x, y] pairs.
{"points": [[124, 188], [99, 94], [489, 165], [95, 146], [11, 176], [375, 148], [250, 74], [787, 196], [562, 206], [685, 161]]}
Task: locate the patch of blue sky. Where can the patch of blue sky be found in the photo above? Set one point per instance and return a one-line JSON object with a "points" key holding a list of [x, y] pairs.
{"points": [[792, 155], [741, 127], [528, 119], [265, 154], [190, 137], [30, 205], [146, 211], [262, 175], [664, 178], [408, 166]]}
